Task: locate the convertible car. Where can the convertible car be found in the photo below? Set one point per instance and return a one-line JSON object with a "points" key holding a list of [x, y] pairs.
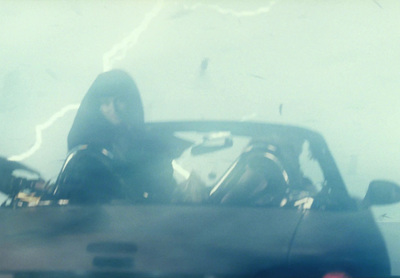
{"points": [[252, 200]]}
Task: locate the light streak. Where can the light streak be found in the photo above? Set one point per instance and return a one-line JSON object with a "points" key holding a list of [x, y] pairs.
{"points": [[261, 10], [223, 178], [39, 130], [182, 171], [119, 50]]}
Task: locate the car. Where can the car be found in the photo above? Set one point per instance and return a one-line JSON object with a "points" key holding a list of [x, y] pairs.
{"points": [[253, 199]]}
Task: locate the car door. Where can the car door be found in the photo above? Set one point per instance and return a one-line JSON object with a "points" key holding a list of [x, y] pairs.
{"points": [[179, 239]]}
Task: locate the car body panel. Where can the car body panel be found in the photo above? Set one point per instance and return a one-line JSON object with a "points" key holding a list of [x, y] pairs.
{"points": [[209, 237], [168, 239], [345, 241]]}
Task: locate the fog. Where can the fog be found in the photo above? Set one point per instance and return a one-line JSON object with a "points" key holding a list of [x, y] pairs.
{"points": [[332, 66], [329, 66]]}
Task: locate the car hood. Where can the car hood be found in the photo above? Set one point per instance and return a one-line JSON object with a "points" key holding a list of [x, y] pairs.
{"points": [[146, 239]]}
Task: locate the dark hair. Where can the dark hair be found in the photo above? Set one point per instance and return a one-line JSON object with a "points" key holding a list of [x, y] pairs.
{"points": [[90, 126]]}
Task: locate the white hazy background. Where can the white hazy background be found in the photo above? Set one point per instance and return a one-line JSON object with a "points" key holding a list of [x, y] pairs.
{"points": [[332, 66]]}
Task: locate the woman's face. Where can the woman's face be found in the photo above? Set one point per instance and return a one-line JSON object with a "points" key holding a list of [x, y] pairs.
{"points": [[109, 111]]}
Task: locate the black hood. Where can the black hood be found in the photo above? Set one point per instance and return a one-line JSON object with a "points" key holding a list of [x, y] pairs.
{"points": [[90, 126]]}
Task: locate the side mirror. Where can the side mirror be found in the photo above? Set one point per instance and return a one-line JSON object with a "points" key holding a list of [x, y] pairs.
{"points": [[381, 192]]}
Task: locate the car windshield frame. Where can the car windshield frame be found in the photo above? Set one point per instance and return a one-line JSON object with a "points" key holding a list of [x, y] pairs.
{"points": [[258, 129]]}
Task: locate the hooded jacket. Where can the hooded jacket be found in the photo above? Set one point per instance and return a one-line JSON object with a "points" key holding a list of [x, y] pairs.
{"points": [[109, 160], [90, 126]]}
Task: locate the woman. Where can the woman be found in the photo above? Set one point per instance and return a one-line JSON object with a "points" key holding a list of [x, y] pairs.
{"points": [[111, 154]]}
